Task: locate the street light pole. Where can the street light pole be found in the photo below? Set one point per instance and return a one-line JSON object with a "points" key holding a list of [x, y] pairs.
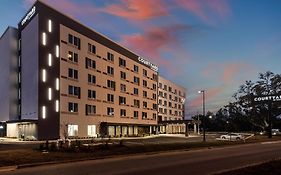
{"points": [[203, 119]]}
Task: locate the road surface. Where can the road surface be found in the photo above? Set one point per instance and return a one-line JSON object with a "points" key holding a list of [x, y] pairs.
{"points": [[205, 161]]}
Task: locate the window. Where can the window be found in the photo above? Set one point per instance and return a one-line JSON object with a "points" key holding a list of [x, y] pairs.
{"points": [[136, 80], [89, 63], [160, 93], [170, 97], [110, 70], [123, 88], [165, 103], [144, 72], [73, 90], [122, 112], [122, 100], [165, 95], [110, 111], [92, 131], [161, 110], [154, 96], [144, 115], [160, 85], [144, 83], [92, 94], [154, 86], [72, 107], [136, 114], [74, 40], [145, 94], [154, 77], [110, 56], [165, 111], [170, 104], [91, 79], [154, 116], [123, 75], [160, 102], [154, 106], [136, 103], [72, 130], [165, 87], [170, 112], [72, 73], [136, 68], [144, 104], [90, 109], [91, 48], [122, 62], [110, 98], [136, 91], [111, 84], [73, 57], [170, 89]]}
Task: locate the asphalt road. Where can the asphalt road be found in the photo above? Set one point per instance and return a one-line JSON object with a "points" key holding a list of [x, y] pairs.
{"points": [[205, 161]]}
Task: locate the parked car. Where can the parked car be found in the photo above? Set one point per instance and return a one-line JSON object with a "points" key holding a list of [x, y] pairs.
{"points": [[232, 136], [275, 132]]}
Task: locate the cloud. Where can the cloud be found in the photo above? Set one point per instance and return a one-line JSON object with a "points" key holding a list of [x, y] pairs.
{"points": [[137, 9]]}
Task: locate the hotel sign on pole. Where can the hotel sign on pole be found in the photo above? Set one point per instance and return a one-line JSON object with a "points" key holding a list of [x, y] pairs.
{"points": [[267, 98]]}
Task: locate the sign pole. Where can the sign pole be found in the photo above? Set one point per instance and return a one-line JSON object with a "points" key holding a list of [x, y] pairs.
{"points": [[269, 120]]}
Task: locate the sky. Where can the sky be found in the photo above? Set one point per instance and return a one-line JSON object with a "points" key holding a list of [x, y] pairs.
{"points": [[211, 45]]}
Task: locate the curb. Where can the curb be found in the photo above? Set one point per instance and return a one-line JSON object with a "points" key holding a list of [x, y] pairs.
{"points": [[8, 168]]}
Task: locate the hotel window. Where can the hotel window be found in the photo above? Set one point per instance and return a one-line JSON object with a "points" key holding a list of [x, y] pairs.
{"points": [[165, 103], [154, 106], [110, 56], [91, 94], [136, 103], [110, 70], [170, 104], [165, 111], [72, 107], [73, 90], [179, 93], [123, 88], [160, 93], [175, 91], [165, 95], [160, 102], [122, 62], [144, 104], [144, 83], [170, 89], [154, 116], [74, 40], [154, 96], [91, 48], [145, 94], [89, 63], [176, 98], [72, 130], [110, 111], [160, 85], [110, 98], [136, 91], [144, 115], [136, 68], [136, 80], [170, 112], [91, 79], [165, 87], [122, 112], [161, 110], [123, 75], [170, 97], [90, 109], [154, 86], [144, 72], [136, 114], [154, 77], [122, 100], [73, 57], [176, 113], [111, 84], [72, 73]]}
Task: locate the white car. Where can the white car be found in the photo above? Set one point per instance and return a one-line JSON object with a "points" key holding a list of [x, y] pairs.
{"points": [[232, 136]]}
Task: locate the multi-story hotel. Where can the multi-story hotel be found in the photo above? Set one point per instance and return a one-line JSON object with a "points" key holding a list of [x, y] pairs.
{"points": [[66, 80]]}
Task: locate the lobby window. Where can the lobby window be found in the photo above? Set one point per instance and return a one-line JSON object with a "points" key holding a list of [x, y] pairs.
{"points": [[91, 94], [144, 115], [72, 130], [91, 48], [144, 104], [110, 57], [122, 100], [73, 57], [111, 84], [144, 83], [123, 75], [122, 62], [73, 90], [136, 68], [136, 103], [136, 91], [110, 98], [110, 111], [144, 72], [74, 41], [89, 63], [72, 107], [110, 70], [91, 79], [123, 88], [122, 112], [136, 80], [136, 114], [72, 73], [145, 94], [90, 109]]}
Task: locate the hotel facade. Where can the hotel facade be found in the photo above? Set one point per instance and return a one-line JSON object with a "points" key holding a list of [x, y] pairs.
{"points": [[62, 79]]}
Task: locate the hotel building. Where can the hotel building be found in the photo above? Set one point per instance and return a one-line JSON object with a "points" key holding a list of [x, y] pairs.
{"points": [[67, 80]]}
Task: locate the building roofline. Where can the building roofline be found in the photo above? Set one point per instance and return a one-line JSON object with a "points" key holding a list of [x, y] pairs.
{"points": [[160, 76], [6, 30]]}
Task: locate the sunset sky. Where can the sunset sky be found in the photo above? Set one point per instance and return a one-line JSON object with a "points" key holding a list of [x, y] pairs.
{"points": [[213, 45]]}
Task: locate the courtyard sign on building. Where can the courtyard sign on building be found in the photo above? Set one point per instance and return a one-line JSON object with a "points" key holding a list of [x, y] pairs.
{"points": [[146, 62]]}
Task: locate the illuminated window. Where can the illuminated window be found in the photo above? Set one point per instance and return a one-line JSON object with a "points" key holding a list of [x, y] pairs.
{"points": [[44, 75], [49, 25], [50, 59], [57, 51], [44, 38], [50, 93], [57, 106], [57, 84], [43, 112]]}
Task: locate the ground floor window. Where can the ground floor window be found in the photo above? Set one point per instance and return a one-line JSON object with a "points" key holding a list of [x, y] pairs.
{"points": [[72, 130], [92, 131]]}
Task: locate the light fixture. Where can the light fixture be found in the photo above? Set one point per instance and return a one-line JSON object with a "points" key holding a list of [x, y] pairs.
{"points": [[43, 112], [57, 51], [44, 38], [57, 84], [44, 75], [50, 25], [50, 59], [57, 106], [50, 94]]}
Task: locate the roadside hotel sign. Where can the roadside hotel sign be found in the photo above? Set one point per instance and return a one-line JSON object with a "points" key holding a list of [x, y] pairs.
{"points": [[267, 98]]}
